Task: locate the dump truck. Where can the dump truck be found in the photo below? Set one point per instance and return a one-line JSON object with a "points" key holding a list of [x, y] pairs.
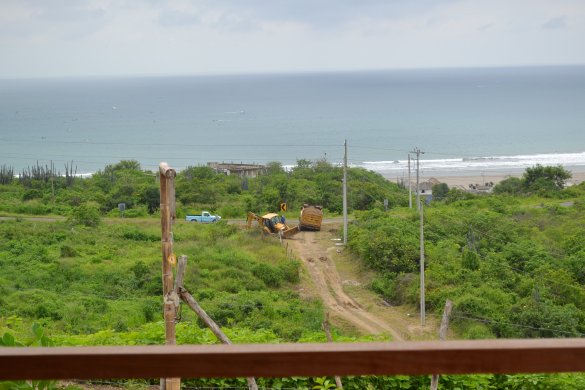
{"points": [[311, 217], [272, 223]]}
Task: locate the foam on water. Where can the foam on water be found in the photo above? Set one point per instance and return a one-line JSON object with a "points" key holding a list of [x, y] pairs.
{"points": [[469, 165]]}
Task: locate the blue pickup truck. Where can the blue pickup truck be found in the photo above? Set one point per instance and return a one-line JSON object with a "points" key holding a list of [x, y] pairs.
{"points": [[205, 217]]}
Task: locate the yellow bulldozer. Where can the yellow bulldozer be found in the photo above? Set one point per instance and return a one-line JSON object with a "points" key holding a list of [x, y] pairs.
{"points": [[272, 223]]}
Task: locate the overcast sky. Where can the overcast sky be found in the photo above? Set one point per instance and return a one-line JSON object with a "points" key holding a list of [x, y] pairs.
{"points": [[40, 38]]}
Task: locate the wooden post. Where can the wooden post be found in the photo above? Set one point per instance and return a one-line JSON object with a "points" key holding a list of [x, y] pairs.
{"points": [[194, 305], [330, 340], [180, 274], [181, 292], [167, 201], [442, 336], [165, 218]]}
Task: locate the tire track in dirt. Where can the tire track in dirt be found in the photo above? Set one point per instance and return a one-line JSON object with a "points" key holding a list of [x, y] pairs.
{"points": [[328, 284]]}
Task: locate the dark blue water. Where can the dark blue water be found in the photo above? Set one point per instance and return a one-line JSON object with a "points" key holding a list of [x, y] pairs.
{"points": [[451, 114]]}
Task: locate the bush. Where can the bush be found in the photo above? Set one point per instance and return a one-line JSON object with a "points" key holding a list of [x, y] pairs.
{"points": [[271, 276], [440, 191], [470, 260], [512, 186], [67, 251], [138, 235], [290, 271], [86, 215], [32, 194]]}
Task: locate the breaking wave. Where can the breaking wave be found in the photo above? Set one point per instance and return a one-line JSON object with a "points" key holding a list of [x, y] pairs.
{"points": [[465, 165]]}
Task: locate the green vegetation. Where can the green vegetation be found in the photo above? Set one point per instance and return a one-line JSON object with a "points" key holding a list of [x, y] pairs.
{"points": [[41, 191], [544, 181], [75, 279], [512, 262], [512, 266]]}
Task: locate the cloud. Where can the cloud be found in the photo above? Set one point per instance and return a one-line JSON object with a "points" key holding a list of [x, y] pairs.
{"points": [[316, 14], [486, 27], [173, 18], [557, 23], [85, 37]]}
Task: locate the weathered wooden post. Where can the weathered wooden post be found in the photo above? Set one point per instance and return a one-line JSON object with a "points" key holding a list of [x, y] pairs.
{"points": [[181, 292], [167, 218], [442, 336], [327, 330]]}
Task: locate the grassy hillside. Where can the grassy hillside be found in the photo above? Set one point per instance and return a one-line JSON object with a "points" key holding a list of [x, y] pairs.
{"points": [[75, 279], [514, 266]]}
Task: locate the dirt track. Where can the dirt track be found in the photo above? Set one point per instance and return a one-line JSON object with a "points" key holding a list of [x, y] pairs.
{"points": [[316, 250]]}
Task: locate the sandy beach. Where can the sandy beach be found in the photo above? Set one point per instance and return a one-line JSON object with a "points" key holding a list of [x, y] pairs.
{"points": [[463, 181]]}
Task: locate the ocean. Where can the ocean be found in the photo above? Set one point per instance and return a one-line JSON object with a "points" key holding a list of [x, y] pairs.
{"points": [[467, 121]]}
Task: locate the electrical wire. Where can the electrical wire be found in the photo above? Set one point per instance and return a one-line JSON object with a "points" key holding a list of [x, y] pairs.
{"points": [[580, 288], [467, 316], [208, 145]]}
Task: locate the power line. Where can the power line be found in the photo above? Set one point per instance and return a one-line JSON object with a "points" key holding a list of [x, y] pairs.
{"points": [[218, 145], [468, 316], [210, 145], [580, 288]]}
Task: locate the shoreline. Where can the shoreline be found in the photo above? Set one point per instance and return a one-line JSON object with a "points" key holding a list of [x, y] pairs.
{"points": [[463, 179]]}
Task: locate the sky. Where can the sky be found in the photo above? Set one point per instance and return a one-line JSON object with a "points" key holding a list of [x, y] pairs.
{"points": [[72, 38]]}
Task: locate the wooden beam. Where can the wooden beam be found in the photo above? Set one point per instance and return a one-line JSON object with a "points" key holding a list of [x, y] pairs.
{"points": [[212, 325], [281, 360]]}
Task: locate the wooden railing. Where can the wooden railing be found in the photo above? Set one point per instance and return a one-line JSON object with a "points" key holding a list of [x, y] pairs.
{"points": [[283, 360]]}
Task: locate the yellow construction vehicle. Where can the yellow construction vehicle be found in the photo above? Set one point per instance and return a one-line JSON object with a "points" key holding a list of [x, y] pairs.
{"points": [[272, 223], [311, 217]]}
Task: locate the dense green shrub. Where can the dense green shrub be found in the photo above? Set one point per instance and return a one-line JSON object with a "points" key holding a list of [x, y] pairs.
{"points": [[271, 276], [86, 215], [68, 251], [513, 266]]}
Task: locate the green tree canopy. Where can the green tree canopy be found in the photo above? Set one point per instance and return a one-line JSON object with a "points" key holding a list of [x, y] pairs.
{"points": [[540, 177]]}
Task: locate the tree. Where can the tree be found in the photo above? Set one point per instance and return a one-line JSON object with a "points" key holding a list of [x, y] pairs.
{"points": [[540, 177], [124, 165], [199, 172], [274, 167], [511, 185], [150, 196], [6, 174], [440, 191], [455, 194], [85, 215]]}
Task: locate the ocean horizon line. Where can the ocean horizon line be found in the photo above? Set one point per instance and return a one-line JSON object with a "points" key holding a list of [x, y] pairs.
{"points": [[300, 72]]}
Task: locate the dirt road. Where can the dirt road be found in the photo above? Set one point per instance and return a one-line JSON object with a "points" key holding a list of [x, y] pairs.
{"points": [[318, 252]]}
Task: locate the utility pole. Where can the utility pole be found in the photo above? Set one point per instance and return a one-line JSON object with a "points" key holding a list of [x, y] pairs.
{"points": [[409, 185], [418, 152], [345, 193], [422, 267]]}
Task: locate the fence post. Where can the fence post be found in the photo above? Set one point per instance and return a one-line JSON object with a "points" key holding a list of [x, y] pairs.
{"points": [[212, 325], [442, 336], [330, 340], [167, 217]]}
